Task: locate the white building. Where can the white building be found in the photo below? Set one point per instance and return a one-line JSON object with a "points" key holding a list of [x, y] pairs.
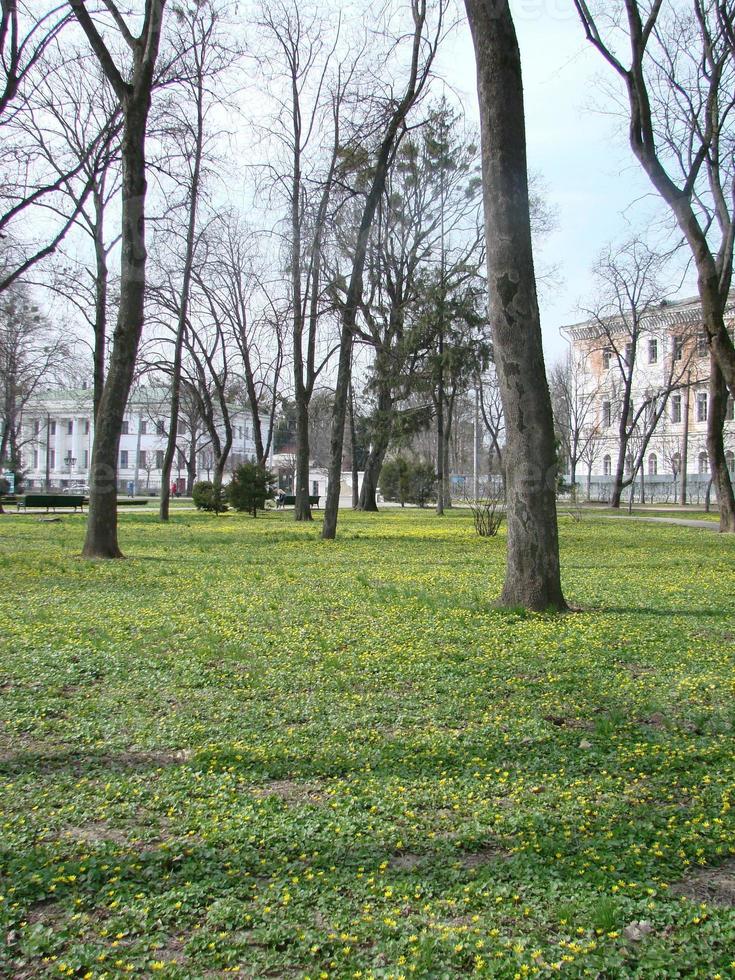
{"points": [[58, 430], [671, 368]]}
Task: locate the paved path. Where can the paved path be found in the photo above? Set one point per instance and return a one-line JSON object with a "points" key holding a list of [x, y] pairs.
{"points": [[679, 521]]}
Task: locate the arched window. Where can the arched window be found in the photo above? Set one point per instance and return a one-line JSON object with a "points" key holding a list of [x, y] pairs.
{"points": [[730, 460], [652, 465], [676, 463], [703, 463], [607, 466], [629, 463]]}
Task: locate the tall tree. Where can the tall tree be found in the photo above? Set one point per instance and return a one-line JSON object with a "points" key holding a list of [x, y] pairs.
{"points": [[133, 87], [679, 77], [533, 577], [424, 43]]}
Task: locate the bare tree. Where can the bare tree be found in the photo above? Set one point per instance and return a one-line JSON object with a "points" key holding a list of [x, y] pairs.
{"points": [[533, 577], [133, 87], [575, 407], [425, 39], [628, 285], [679, 77], [31, 355]]}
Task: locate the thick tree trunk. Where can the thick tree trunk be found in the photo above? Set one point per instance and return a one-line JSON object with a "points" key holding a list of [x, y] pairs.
{"points": [[101, 537], [302, 510], [716, 448], [532, 576]]}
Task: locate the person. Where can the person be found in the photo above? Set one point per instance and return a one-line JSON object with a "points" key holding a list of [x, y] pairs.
{"points": [[174, 489], [131, 488], [280, 494]]}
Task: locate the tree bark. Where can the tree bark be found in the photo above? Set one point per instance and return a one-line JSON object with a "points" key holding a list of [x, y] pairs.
{"points": [[533, 577], [302, 510], [101, 538], [353, 454], [382, 428], [716, 447]]}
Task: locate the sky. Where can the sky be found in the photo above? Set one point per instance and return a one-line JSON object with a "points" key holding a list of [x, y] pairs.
{"points": [[579, 146]]}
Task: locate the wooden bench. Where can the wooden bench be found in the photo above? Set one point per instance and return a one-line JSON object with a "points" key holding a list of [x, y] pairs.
{"points": [[49, 500], [289, 500]]}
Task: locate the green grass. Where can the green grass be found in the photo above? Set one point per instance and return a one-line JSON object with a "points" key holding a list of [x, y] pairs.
{"points": [[248, 750]]}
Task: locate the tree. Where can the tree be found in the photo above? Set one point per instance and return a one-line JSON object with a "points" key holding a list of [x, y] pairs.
{"points": [[680, 86], [630, 293], [133, 87], [201, 55], [679, 78], [32, 354], [575, 408], [424, 43], [533, 577], [250, 487]]}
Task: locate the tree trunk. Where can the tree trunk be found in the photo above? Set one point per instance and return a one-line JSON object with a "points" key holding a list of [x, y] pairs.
{"points": [[716, 448], [100, 301], [446, 469], [302, 510], [440, 426], [382, 429], [353, 460], [101, 537], [533, 577]]}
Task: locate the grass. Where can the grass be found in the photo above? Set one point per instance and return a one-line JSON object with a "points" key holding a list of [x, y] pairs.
{"points": [[247, 751]]}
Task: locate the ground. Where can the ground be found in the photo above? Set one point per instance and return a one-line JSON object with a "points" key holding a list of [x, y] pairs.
{"points": [[245, 749]]}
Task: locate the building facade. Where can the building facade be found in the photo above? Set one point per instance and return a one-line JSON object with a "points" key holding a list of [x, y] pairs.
{"points": [[58, 431], [665, 362]]}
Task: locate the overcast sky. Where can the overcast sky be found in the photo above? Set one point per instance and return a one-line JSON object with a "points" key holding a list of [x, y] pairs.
{"points": [[582, 152]]}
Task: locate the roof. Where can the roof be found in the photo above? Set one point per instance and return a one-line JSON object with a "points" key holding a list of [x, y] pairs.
{"points": [[668, 314]]}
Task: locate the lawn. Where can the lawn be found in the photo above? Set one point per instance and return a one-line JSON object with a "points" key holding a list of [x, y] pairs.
{"points": [[247, 751]]}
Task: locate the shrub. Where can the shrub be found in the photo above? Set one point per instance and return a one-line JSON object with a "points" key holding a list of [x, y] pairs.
{"points": [[250, 487], [203, 495], [407, 482]]}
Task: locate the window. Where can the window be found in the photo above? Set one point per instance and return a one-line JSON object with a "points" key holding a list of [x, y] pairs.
{"points": [[125, 427], [652, 351], [35, 459], [86, 459], [677, 348], [703, 463], [86, 427], [607, 466], [36, 427], [628, 354], [628, 464], [652, 465], [70, 427], [52, 427], [52, 459], [676, 463], [606, 414], [676, 408], [160, 431], [315, 488], [159, 459], [730, 410], [123, 459], [143, 427], [606, 356], [730, 460], [702, 407], [142, 459], [702, 345]]}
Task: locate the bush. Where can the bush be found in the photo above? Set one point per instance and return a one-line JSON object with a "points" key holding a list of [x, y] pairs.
{"points": [[203, 496], [408, 483], [250, 487]]}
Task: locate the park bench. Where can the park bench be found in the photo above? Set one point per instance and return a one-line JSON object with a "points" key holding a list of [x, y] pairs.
{"points": [[49, 500], [289, 500], [132, 501]]}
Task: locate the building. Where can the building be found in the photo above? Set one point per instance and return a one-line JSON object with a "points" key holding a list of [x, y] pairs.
{"points": [[668, 369], [58, 430]]}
